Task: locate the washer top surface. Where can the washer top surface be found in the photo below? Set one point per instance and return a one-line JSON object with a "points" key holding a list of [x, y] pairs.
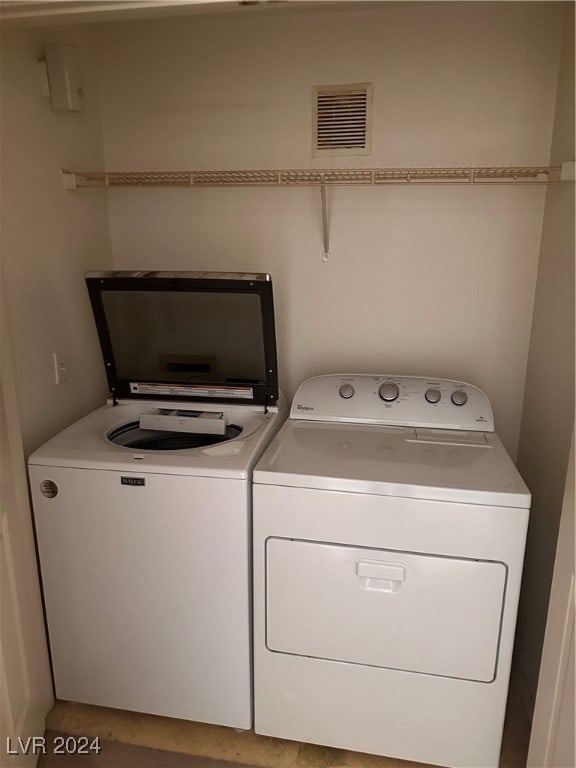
{"points": [[86, 443], [374, 446]]}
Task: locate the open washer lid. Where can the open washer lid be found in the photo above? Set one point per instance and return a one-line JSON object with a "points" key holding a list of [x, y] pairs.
{"points": [[187, 336]]}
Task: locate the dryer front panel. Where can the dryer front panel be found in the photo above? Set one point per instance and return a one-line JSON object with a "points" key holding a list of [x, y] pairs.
{"points": [[414, 612]]}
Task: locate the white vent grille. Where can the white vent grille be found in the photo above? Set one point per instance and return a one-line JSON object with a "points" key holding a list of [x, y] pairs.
{"points": [[342, 119]]}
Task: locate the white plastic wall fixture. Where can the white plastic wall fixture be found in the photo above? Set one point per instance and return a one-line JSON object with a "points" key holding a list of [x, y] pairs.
{"points": [[64, 76], [567, 173]]}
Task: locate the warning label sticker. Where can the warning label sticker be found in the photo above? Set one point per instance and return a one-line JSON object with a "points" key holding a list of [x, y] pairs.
{"points": [[187, 390]]}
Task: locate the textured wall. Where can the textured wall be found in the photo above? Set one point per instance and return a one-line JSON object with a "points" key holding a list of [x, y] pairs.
{"points": [[548, 415], [49, 236], [423, 280]]}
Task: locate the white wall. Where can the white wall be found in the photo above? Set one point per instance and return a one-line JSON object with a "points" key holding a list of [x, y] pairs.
{"points": [[552, 738], [49, 236], [548, 415], [436, 280]]}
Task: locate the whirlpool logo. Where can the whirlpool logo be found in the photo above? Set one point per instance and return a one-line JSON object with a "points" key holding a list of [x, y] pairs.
{"points": [[300, 407]]}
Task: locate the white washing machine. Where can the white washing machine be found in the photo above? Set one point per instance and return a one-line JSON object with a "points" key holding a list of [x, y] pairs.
{"points": [[389, 533], [143, 508]]}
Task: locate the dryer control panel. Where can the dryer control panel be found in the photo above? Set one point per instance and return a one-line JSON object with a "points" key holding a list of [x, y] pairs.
{"points": [[411, 401]]}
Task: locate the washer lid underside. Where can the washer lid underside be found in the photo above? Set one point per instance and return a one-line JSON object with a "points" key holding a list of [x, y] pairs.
{"points": [[187, 336]]}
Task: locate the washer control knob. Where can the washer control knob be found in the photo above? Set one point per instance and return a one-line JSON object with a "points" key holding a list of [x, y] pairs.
{"points": [[432, 395], [346, 391], [389, 391], [459, 397]]}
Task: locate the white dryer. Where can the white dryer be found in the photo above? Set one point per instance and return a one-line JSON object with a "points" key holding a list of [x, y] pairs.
{"points": [[389, 534], [143, 508]]}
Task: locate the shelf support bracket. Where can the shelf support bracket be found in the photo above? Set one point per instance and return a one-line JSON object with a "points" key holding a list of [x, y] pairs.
{"points": [[69, 180], [325, 230]]}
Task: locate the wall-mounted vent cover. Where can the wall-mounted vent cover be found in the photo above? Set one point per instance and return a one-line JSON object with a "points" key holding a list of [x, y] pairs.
{"points": [[342, 119]]}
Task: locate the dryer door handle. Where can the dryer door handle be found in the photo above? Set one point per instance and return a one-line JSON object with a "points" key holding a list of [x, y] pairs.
{"points": [[379, 575]]}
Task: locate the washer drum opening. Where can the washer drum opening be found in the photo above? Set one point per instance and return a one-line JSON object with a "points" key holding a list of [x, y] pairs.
{"points": [[130, 435]]}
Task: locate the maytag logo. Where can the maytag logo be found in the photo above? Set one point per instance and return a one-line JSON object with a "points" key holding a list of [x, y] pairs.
{"points": [[132, 480], [304, 407]]}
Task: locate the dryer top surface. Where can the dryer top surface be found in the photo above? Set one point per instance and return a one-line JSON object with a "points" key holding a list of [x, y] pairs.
{"points": [[430, 464], [396, 436]]}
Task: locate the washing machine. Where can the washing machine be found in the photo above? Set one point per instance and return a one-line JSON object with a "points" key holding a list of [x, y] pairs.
{"points": [[389, 534], [142, 509]]}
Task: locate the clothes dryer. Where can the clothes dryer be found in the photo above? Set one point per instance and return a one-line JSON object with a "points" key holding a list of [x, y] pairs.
{"points": [[143, 508], [389, 534]]}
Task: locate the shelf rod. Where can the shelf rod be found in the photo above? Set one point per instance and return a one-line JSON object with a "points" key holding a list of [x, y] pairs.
{"points": [[314, 177]]}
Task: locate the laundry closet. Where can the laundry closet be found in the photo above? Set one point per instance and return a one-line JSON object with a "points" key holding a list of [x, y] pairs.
{"points": [[442, 244]]}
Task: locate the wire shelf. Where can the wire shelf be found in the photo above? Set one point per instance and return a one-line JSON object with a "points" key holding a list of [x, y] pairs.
{"points": [[320, 178], [312, 177]]}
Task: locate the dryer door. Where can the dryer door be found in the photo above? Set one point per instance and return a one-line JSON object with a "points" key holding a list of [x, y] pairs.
{"points": [[408, 611]]}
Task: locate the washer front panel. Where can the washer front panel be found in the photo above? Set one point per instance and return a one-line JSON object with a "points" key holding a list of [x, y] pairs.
{"points": [[146, 581]]}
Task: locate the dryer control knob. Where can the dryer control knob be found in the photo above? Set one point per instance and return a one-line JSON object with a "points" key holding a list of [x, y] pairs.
{"points": [[459, 397], [389, 391], [432, 395], [346, 391]]}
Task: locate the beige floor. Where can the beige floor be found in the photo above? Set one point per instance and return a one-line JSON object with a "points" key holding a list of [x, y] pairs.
{"points": [[247, 747]]}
